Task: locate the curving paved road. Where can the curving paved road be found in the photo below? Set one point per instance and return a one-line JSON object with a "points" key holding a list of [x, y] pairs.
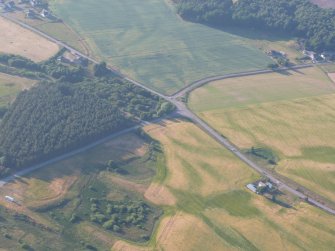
{"points": [[204, 81], [182, 110], [70, 154]]}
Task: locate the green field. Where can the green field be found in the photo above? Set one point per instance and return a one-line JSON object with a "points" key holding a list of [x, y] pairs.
{"points": [[152, 44], [10, 86], [212, 209], [74, 198], [292, 115]]}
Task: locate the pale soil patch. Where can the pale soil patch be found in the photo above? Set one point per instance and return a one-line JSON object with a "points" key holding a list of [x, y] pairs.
{"points": [[332, 76], [20, 41], [160, 195]]}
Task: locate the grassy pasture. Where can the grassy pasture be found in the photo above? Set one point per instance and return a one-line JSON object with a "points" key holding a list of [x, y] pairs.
{"points": [[20, 41], [291, 115], [238, 93], [329, 68], [10, 86], [213, 210], [148, 41], [60, 196]]}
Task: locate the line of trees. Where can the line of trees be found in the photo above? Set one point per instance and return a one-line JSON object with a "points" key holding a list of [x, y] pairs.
{"points": [[26, 67], [71, 107], [299, 18], [48, 119]]}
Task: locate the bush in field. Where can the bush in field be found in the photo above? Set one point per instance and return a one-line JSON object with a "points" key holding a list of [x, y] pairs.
{"points": [[114, 215]]}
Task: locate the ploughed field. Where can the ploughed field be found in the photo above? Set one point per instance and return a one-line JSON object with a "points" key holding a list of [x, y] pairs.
{"points": [[148, 41], [291, 114]]}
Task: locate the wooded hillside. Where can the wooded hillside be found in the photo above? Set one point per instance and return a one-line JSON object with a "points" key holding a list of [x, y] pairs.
{"points": [[49, 119], [68, 110], [299, 18]]}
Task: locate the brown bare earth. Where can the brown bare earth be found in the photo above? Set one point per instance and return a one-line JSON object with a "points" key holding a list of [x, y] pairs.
{"points": [[19, 41], [325, 3]]}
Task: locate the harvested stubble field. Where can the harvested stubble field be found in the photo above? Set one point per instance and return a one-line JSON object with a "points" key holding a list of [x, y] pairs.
{"points": [[213, 210], [10, 86], [291, 114], [20, 41], [152, 44]]}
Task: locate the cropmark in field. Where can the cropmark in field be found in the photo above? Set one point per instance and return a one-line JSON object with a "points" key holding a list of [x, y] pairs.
{"points": [[149, 42], [213, 210], [89, 200], [292, 115]]}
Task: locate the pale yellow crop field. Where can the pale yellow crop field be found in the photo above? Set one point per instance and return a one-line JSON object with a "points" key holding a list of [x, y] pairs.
{"points": [[212, 209], [20, 41], [293, 115]]}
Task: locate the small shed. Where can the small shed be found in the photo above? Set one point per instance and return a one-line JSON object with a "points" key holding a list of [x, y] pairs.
{"points": [[9, 198], [252, 187]]}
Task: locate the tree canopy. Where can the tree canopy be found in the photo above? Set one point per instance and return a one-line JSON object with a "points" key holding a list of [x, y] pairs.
{"points": [[299, 18], [49, 119], [68, 109]]}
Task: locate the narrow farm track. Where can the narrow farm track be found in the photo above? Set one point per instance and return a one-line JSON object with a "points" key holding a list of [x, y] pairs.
{"points": [[184, 111]]}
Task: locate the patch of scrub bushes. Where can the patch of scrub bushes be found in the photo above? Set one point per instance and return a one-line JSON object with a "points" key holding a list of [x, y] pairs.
{"points": [[117, 215], [264, 153]]}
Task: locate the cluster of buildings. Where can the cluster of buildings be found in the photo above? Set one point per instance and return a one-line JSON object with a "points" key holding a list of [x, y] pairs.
{"points": [[7, 6], [38, 8], [32, 8], [261, 187], [326, 56], [73, 59]]}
